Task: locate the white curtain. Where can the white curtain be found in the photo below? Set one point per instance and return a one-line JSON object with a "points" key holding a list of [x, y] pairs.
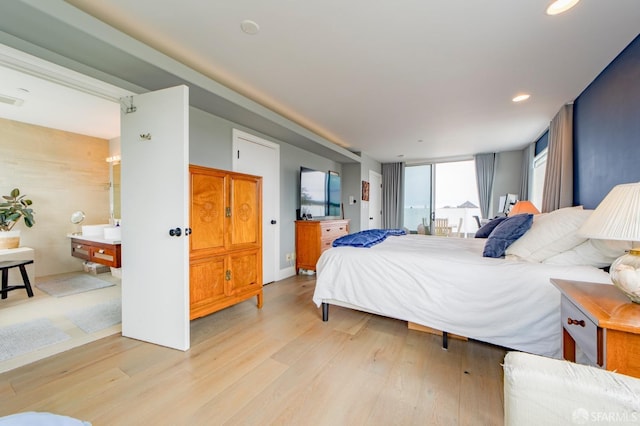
{"points": [[392, 195], [485, 169], [558, 182], [527, 171]]}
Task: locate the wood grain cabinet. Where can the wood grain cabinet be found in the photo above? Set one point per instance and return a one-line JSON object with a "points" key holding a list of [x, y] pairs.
{"points": [[315, 236], [93, 251], [225, 255]]}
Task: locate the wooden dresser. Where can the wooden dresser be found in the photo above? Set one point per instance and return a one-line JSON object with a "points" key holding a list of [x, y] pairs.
{"points": [[315, 236], [225, 246]]}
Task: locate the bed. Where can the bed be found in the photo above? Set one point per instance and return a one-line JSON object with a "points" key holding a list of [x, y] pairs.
{"points": [[446, 283]]}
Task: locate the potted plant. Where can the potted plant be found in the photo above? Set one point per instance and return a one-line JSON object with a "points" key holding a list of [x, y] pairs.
{"points": [[14, 207]]}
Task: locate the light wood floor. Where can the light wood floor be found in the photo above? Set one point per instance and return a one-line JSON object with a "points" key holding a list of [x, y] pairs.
{"points": [[18, 307], [278, 365]]}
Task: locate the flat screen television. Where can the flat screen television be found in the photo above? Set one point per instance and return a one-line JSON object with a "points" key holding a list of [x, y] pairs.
{"points": [[319, 194]]}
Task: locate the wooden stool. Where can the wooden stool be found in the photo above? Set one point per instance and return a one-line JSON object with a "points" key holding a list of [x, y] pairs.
{"points": [[5, 266]]}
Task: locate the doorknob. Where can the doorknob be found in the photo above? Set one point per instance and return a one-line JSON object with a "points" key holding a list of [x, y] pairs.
{"points": [[175, 232], [370, 218], [273, 221], [187, 231]]}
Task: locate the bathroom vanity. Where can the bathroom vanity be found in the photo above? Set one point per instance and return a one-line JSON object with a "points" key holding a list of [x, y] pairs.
{"points": [[96, 247]]}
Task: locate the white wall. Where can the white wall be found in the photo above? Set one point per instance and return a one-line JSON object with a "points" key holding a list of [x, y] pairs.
{"points": [[508, 173], [210, 145]]}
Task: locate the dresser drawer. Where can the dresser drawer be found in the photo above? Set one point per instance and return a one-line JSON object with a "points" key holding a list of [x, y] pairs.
{"points": [[333, 230], [326, 243], [581, 329]]}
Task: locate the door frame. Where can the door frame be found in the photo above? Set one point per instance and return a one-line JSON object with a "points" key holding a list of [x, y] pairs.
{"points": [[378, 190], [239, 134]]}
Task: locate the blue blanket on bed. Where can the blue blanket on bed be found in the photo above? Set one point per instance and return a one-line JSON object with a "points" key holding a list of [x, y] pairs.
{"points": [[367, 238]]}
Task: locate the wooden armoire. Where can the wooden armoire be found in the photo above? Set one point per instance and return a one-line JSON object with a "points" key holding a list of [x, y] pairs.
{"points": [[225, 245]]}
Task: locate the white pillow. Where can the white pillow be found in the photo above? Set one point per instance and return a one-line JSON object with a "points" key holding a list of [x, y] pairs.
{"points": [[598, 253], [550, 234]]}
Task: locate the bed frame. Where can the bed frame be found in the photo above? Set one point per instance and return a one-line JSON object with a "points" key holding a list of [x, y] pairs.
{"points": [[325, 316]]}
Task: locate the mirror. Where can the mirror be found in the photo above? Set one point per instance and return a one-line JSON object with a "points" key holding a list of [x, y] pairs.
{"points": [[77, 217], [115, 191]]}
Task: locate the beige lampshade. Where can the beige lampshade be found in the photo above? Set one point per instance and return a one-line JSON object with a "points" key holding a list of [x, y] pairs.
{"points": [[523, 207], [617, 217]]}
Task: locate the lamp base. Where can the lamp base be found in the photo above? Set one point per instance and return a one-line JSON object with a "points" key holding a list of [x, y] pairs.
{"points": [[625, 274]]}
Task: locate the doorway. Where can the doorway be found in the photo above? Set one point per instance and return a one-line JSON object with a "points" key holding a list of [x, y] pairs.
{"points": [[256, 156]]}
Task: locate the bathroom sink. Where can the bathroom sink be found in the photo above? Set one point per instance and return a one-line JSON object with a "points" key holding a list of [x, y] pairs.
{"points": [[113, 233], [94, 230]]}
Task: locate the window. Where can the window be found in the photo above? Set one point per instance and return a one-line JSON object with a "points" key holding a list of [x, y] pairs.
{"points": [[447, 189], [539, 170], [456, 195], [417, 196]]}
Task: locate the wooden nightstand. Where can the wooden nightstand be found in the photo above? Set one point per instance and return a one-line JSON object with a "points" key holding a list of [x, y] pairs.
{"points": [[603, 323]]}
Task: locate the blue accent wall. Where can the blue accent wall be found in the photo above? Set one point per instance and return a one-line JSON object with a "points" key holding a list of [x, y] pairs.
{"points": [[542, 142], [607, 130]]}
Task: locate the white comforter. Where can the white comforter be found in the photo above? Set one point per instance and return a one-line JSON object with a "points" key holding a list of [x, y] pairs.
{"points": [[445, 283]]}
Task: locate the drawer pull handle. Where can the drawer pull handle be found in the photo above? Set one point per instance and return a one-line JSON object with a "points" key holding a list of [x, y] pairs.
{"points": [[575, 322], [101, 251], [78, 246], [340, 228]]}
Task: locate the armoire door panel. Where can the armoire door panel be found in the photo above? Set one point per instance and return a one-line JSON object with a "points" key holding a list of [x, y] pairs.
{"points": [[207, 279], [246, 226], [208, 201], [246, 276]]}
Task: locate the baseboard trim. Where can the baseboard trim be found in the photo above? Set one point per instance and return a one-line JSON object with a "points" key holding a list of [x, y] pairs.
{"points": [[286, 273]]}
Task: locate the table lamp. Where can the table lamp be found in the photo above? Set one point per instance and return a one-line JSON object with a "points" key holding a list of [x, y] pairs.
{"points": [[617, 217], [523, 207]]}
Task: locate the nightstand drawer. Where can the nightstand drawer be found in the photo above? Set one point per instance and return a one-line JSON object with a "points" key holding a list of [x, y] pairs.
{"points": [[581, 329]]}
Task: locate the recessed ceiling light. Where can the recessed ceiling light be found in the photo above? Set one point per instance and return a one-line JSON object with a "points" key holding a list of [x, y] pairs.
{"points": [[249, 27], [522, 97], [559, 6]]}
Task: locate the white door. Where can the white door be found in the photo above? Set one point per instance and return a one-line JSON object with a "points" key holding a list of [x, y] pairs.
{"points": [[256, 156], [375, 200], [155, 265]]}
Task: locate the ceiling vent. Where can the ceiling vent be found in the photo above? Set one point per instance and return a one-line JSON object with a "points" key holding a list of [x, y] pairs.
{"points": [[4, 99]]}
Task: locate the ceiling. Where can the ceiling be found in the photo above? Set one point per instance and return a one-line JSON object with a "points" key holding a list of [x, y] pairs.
{"points": [[421, 79], [33, 91]]}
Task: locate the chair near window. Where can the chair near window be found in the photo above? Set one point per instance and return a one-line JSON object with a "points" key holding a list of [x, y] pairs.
{"points": [[441, 227]]}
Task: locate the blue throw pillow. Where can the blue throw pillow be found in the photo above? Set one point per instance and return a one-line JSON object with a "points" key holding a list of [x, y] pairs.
{"points": [[506, 233], [486, 229]]}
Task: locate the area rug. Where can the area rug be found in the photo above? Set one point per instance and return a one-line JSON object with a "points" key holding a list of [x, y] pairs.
{"points": [[66, 286], [98, 317], [21, 338]]}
